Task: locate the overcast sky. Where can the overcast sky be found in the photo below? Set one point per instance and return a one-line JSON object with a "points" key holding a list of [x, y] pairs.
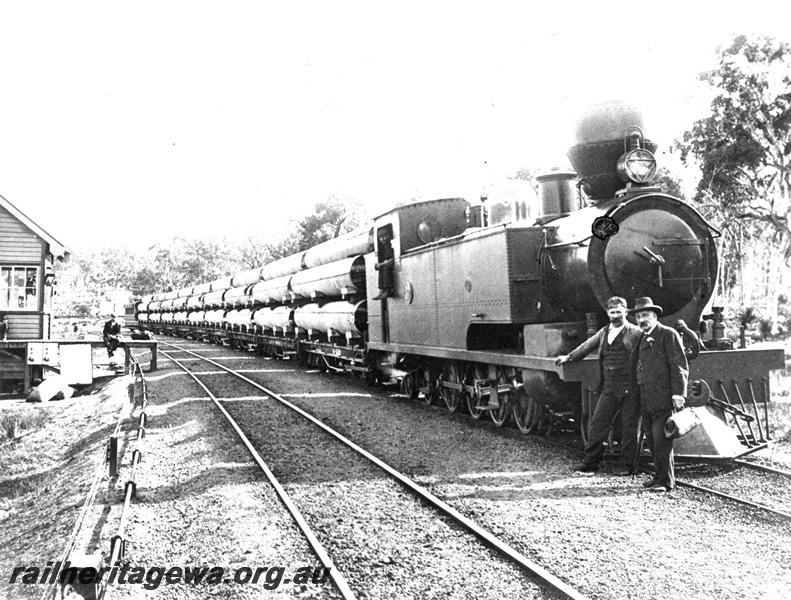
{"points": [[140, 121]]}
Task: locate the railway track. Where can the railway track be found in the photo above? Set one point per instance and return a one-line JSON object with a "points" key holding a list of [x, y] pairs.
{"points": [[778, 509], [557, 586]]}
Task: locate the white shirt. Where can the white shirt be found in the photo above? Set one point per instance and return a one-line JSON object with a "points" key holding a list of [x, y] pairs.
{"points": [[613, 332]]}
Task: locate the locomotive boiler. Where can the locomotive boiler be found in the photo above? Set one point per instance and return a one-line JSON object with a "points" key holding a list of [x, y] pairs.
{"points": [[472, 315]]}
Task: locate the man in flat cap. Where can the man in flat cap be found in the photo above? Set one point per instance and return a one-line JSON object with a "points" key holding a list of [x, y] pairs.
{"points": [[615, 343], [110, 333], [661, 372]]}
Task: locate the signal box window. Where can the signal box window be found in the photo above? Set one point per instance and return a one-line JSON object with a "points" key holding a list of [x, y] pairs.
{"points": [[18, 288]]}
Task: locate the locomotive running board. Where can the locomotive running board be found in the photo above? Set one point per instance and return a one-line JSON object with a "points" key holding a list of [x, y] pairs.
{"points": [[520, 361]]}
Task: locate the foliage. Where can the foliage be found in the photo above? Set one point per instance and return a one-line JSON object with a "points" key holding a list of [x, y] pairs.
{"points": [[747, 316], [744, 146], [669, 183], [329, 219]]}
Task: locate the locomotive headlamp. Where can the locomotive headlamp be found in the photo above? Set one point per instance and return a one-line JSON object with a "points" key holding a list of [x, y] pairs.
{"points": [[637, 166]]}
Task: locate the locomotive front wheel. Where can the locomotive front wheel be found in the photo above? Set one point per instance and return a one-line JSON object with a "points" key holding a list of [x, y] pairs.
{"points": [[524, 411]]}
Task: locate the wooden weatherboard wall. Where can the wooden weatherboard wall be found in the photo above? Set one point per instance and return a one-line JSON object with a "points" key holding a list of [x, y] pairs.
{"points": [[19, 246]]}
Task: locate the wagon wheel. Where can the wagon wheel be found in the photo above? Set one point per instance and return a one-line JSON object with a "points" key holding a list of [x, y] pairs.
{"points": [[524, 411], [476, 372], [426, 377], [500, 415], [451, 398]]}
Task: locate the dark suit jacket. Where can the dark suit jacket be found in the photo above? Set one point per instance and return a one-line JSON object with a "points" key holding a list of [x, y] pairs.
{"points": [[661, 369], [631, 336], [111, 328]]}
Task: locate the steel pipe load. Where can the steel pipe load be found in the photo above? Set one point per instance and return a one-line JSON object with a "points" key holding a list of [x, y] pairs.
{"points": [[271, 291], [246, 278], [214, 299], [167, 317], [180, 317], [280, 268], [237, 297], [341, 278], [280, 318], [154, 317], [242, 318], [359, 241], [344, 318], [203, 288], [196, 317], [215, 317], [194, 302], [142, 317], [166, 305], [221, 284], [231, 318]]}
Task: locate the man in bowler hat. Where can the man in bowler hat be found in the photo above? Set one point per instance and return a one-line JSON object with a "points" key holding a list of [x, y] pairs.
{"points": [[615, 343], [661, 372]]}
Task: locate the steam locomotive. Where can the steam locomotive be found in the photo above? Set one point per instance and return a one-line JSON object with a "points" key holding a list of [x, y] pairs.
{"points": [[471, 312]]}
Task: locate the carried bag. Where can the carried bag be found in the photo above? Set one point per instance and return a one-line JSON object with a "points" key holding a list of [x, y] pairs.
{"points": [[681, 422]]}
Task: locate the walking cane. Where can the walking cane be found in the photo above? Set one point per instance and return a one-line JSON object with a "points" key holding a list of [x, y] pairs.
{"points": [[639, 445]]}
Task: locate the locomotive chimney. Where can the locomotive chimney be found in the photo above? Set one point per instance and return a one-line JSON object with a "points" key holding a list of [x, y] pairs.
{"points": [[557, 193], [599, 144]]}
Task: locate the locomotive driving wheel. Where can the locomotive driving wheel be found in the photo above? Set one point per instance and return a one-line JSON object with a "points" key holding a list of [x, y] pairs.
{"points": [[451, 398], [524, 411], [500, 415], [475, 372]]}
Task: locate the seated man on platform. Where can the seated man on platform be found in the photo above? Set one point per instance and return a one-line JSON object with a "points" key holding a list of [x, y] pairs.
{"points": [[112, 329]]}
